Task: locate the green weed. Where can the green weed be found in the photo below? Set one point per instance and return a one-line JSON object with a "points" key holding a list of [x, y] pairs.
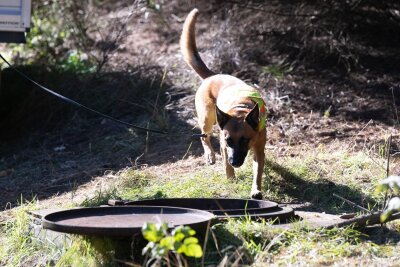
{"points": [[278, 70], [165, 247], [100, 198], [77, 62]]}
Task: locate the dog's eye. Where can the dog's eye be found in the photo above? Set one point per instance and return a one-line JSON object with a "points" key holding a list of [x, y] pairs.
{"points": [[229, 141]]}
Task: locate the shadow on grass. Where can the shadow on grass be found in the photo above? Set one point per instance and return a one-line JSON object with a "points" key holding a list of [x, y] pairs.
{"points": [[223, 243], [318, 193], [49, 147], [382, 235], [220, 243]]}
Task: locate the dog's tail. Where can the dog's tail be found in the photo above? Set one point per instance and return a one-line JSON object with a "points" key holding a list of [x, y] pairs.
{"points": [[189, 48]]}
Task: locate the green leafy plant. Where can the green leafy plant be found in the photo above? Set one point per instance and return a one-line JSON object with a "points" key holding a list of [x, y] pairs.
{"points": [[392, 184], [279, 70], [59, 36], [78, 62], [153, 5], [165, 247]]}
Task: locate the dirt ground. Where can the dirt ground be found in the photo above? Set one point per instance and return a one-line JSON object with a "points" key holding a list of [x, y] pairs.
{"points": [[311, 100]]}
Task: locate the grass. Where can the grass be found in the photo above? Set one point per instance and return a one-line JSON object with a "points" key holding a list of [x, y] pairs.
{"points": [[21, 245], [261, 244], [312, 175], [317, 174], [317, 247], [184, 185]]}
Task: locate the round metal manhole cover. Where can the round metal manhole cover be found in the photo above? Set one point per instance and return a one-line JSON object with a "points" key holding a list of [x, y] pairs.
{"points": [[122, 221], [221, 207]]}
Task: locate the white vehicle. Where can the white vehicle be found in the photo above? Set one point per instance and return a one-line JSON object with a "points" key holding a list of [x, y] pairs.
{"points": [[15, 20]]}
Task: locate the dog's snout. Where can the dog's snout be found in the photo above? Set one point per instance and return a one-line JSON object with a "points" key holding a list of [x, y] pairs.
{"points": [[236, 157], [234, 163]]}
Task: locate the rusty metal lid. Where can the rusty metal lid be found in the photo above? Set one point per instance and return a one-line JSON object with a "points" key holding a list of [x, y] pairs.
{"points": [[122, 221], [221, 207], [280, 215]]}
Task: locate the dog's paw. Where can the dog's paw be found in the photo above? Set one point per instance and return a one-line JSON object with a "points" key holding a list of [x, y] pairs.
{"points": [[210, 159], [256, 194]]}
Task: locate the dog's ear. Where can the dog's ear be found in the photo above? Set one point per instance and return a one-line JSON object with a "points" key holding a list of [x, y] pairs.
{"points": [[252, 118], [222, 118]]}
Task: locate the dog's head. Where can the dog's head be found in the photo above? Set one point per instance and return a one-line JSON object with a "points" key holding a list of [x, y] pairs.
{"points": [[238, 131]]}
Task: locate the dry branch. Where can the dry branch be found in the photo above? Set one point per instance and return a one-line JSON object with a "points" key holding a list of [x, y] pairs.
{"points": [[366, 220]]}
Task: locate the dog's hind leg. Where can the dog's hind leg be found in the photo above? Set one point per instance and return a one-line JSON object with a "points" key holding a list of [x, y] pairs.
{"points": [[209, 153]]}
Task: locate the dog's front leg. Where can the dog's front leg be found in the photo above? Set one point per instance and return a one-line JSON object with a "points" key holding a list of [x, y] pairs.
{"points": [[258, 168], [230, 172]]}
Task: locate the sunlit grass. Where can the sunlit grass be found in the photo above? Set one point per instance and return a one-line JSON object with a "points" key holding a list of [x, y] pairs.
{"points": [[22, 245], [137, 185], [314, 247], [312, 176], [316, 174]]}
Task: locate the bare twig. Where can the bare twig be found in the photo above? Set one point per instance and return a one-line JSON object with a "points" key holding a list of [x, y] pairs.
{"points": [[351, 203], [238, 259], [146, 147], [362, 129], [215, 242], [187, 151], [137, 160], [224, 262], [205, 242], [274, 241], [389, 144], [365, 220], [395, 107], [388, 155], [158, 92]]}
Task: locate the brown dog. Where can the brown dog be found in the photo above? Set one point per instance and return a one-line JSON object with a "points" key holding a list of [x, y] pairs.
{"points": [[235, 106]]}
